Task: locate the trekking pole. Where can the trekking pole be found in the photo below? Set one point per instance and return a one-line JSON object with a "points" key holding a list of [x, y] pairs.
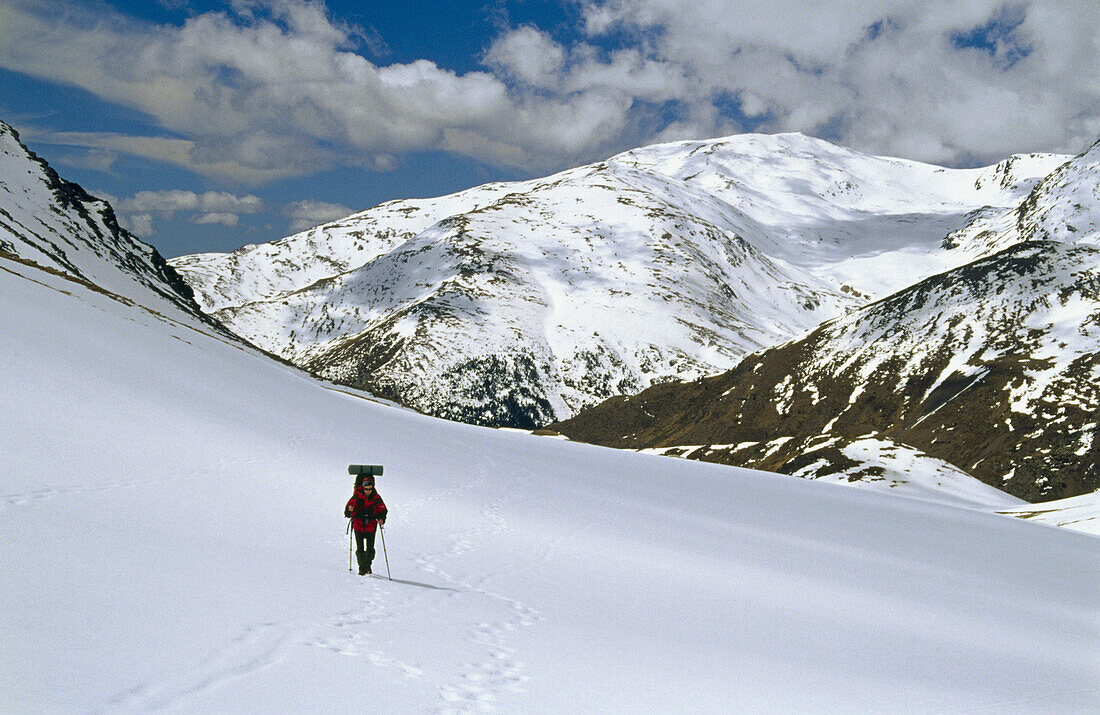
{"points": [[351, 539], [382, 530]]}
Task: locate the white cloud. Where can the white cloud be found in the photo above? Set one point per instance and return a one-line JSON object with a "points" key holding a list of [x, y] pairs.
{"points": [[529, 56], [225, 219], [175, 200], [201, 156], [888, 77], [138, 224], [277, 88], [211, 207], [307, 214], [96, 159]]}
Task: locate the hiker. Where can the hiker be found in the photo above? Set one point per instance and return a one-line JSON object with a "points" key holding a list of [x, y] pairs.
{"points": [[366, 510]]}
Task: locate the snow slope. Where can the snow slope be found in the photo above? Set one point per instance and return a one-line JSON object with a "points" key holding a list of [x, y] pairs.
{"points": [[872, 462], [517, 304], [170, 512], [871, 223], [1081, 513]]}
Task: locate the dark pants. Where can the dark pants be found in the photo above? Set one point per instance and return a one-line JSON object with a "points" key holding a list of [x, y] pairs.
{"points": [[364, 549]]}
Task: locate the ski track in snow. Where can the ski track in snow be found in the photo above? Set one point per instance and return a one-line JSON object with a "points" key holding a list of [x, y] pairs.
{"points": [[264, 645], [498, 670], [493, 670], [1051, 697]]}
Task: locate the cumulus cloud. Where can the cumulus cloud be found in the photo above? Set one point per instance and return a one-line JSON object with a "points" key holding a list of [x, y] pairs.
{"points": [[276, 88], [225, 219], [939, 81], [138, 224], [529, 56], [268, 89], [211, 207], [307, 214], [172, 201], [273, 88]]}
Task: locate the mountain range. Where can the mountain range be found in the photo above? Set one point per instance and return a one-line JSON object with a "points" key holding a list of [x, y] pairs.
{"points": [[984, 370], [523, 303], [171, 506]]}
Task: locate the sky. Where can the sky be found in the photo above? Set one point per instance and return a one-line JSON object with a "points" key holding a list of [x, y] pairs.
{"points": [[210, 125]]}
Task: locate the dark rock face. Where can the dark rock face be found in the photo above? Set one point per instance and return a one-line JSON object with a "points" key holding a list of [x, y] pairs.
{"points": [[992, 367]]}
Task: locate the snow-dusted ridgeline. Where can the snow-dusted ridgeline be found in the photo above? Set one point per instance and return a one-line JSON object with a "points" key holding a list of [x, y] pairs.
{"points": [[1064, 207]]}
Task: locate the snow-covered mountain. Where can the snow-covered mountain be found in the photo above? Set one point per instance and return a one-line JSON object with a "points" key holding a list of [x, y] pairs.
{"points": [[516, 304], [988, 370], [55, 223], [171, 508]]}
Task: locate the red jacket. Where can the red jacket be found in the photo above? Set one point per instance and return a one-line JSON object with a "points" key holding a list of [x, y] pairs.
{"points": [[365, 510]]}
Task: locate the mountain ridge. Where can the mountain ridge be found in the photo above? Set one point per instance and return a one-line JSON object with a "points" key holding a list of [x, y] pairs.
{"points": [[55, 223]]}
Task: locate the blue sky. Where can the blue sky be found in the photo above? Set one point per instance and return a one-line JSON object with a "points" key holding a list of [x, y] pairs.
{"points": [[210, 125]]}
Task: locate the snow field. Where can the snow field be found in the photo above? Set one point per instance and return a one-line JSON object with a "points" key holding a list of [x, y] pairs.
{"points": [[171, 518]]}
